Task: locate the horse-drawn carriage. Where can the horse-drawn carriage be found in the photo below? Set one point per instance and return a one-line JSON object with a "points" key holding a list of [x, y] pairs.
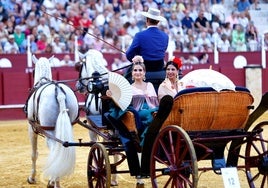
{"points": [[203, 122]]}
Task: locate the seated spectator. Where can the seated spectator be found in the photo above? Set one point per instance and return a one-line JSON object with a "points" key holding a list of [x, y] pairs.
{"points": [[31, 21], [206, 48], [204, 38], [33, 45], [187, 22], [58, 47], [232, 19], [20, 39], [41, 43], [3, 34], [11, 46], [174, 21], [133, 28], [227, 30], [43, 27], [192, 59], [202, 23], [252, 37], [216, 36], [219, 9], [190, 47], [66, 61], [166, 8], [203, 59], [243, 5], [239, 39], [224, 44], [120, 63], [243, 20]]}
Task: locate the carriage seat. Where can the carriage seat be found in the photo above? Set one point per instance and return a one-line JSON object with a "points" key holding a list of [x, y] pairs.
{"points": [[155, 78], [204, 109]]}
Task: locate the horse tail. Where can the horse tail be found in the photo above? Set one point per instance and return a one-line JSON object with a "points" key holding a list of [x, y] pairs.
{"points": [[61, 160]]}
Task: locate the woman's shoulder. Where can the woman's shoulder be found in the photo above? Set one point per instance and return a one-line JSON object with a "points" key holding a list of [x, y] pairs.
{"points": [[149, 84]]}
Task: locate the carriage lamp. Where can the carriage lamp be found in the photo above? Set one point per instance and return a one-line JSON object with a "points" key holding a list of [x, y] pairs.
{"points": [[96, 85]]}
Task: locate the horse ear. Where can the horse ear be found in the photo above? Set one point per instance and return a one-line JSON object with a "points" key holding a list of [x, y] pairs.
{"points": [[51, 59], [34, 59], [81, 55]]}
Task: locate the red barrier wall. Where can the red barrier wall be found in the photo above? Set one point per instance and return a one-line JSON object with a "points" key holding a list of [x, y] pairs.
{"points": [[15, 86]]}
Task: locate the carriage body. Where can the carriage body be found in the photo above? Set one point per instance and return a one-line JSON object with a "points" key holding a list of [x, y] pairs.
{"points": [[200, 125]]}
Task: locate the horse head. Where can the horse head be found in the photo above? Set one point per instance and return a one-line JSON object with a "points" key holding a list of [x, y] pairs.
{"points": [[42, 69], [92, 76], [93, 68]]}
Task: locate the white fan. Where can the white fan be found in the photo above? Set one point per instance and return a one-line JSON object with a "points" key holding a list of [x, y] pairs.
{"points": [[121, 90]]}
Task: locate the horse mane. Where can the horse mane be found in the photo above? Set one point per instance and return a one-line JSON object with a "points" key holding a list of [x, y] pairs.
{"points": [[42, 69], [95, 62]]}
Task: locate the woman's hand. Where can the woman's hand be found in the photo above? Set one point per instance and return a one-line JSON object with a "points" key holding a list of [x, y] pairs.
{"points": [[109, 93]]}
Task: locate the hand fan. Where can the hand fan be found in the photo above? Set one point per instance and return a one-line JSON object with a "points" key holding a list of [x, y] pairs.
{"points": [[121, 90]]}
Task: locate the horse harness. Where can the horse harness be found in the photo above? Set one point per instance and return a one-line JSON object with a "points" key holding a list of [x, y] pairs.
{"points": [[37, 128]]}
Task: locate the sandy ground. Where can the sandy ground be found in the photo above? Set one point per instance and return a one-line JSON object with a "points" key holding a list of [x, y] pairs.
{"points": [[15, 160]]}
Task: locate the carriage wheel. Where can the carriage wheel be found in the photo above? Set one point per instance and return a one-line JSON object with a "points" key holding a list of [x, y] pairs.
{"points": [[98, 167], [256, 160], [173, 155]]}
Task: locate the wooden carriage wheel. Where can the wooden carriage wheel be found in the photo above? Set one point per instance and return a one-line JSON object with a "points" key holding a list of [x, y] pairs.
{"points": [[173, 155], [98, 167], [256, 160]]}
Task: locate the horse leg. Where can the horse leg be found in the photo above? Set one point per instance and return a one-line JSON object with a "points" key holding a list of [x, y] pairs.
{"points": [[53, 183], [93, 136], [33, 140], [114, 181]]}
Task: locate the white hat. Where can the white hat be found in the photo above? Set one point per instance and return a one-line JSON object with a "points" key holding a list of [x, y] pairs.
{"points": [[153, 14], [11, 36]]}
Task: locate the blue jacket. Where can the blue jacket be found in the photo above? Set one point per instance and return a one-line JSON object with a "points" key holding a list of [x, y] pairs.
{"points": [[151, 44]]}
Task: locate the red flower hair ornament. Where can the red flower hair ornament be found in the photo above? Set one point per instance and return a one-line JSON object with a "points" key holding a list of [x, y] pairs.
{"points": [[177, 61]]}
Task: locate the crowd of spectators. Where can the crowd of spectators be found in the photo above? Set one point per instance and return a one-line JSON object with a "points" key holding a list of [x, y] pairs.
{"points": [[109, 25]]}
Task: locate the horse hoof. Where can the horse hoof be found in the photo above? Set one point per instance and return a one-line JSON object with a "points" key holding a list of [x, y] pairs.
{"points": [[140, 185], [31, 180], [50, 184], [114, 183]]}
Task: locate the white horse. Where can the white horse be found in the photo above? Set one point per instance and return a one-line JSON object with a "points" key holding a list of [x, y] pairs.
{"points": [[51, 109], [93, 61]]}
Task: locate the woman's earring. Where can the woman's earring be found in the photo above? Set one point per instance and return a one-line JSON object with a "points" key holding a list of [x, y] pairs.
{"points": [[144, 78]]}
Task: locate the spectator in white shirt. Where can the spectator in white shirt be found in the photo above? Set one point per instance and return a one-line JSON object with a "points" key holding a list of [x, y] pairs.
{"points": [[43, 27], [58, 47], [133, 28], [224, 44], [11, 46]]}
